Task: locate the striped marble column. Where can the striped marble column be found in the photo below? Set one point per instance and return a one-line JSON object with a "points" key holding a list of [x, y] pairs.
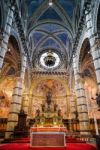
{"points": [[16, 101], [73, 111], [95, 47], [25, 103], [72, 106], [81, 101], [6, 34], [31, 106]]}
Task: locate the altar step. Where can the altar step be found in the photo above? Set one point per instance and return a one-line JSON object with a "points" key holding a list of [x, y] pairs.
{"points": [[27, 140], [26, 146]]}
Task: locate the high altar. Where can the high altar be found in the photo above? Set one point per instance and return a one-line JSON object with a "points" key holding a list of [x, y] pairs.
{"points": [[48, 130]]}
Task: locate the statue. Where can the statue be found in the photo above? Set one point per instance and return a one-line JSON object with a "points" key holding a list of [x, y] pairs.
{"points": [[55, 107], [59, 112], [42, 119], [37, 112], [43, 108], [49, 96], [59, 117], [37, 118]]}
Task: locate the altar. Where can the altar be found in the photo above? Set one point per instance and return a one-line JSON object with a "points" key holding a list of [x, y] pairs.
{"points": [[48, 129], [47, 137]]}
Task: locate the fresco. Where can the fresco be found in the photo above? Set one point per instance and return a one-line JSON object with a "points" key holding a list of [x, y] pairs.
{"points": [[58, 95], [6, 89], [56, 87], [4, 105], [91, 90]]}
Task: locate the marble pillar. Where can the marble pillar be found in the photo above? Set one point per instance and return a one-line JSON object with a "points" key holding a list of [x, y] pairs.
{"points": [[6, 34], [16, 101], [81, 101], [72, 106], [95, 47], [25, 102]]}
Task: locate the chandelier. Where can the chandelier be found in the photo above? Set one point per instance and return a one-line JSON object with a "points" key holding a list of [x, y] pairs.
{"points": [[49, 59]]}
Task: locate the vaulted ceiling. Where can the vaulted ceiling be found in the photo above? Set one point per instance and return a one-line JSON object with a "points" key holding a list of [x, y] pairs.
{"points": [[51, 27]]}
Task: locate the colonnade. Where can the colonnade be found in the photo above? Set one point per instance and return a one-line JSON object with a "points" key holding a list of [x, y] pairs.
{"points": [[79, 83], [81, 100], [17, 91]]}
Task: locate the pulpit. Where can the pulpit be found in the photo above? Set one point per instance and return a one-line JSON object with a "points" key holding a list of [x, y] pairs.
{"points": [[47, 137], [21, 129]]}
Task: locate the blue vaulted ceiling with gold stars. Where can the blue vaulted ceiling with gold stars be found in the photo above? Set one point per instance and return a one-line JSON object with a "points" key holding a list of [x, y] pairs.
{"points": [[51, 27]]}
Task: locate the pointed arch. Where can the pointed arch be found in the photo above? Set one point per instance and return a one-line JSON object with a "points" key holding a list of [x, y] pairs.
{"points": [[43, 22], [44, 39]]}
